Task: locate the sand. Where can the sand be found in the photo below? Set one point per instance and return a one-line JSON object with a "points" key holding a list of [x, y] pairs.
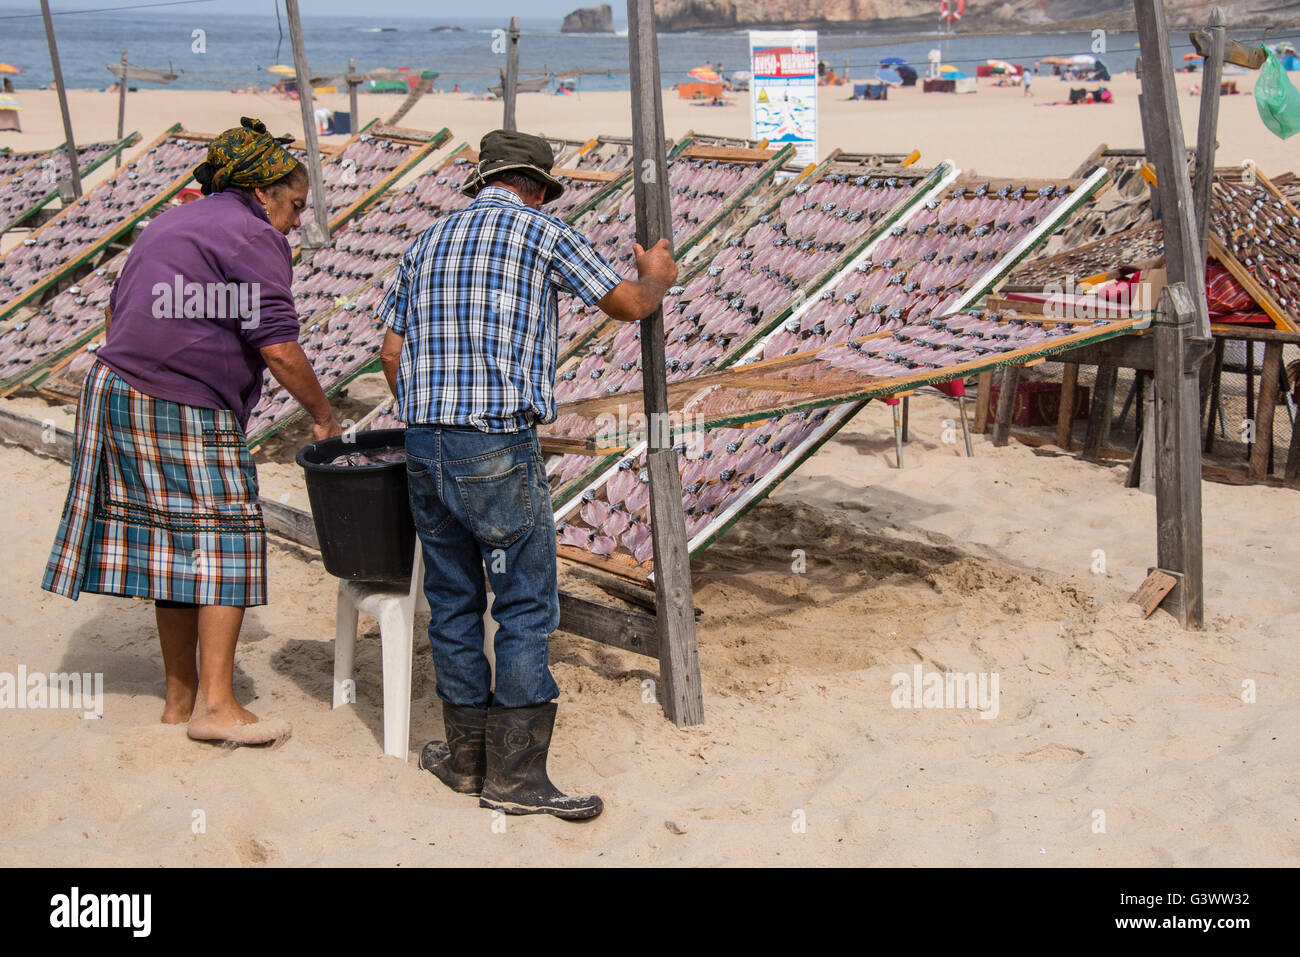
{"points": [[1117, 741]]}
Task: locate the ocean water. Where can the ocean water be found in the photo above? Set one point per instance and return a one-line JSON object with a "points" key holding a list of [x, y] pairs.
{"points": [[239, 48]]}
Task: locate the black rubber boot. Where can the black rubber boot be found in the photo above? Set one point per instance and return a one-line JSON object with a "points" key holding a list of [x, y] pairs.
{"points": [[458, 762], [518, 740]]}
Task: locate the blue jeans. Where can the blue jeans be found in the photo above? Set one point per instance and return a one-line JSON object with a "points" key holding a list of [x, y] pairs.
{"points": [[481, 499]]}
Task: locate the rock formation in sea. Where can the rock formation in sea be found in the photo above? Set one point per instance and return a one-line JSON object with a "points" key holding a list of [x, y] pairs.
{"points": [[590, 20]]}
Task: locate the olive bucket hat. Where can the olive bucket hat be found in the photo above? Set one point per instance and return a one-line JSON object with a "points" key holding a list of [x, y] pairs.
{"points": [[503, 150]]}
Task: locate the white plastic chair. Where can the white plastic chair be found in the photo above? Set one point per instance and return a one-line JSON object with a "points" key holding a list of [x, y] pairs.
{"points": [[393, 605]]}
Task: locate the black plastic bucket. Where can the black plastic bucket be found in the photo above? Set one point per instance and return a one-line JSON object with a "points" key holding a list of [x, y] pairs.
{"points": [[362, 512]]}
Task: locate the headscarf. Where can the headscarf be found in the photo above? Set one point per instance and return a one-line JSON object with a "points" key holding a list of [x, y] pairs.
{"points": [[245, 155]]}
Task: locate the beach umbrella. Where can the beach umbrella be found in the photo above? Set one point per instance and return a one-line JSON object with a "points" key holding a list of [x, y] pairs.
{"points": [[949, 68], [1057, 61], [10, 68], [1192, 56], [1002, 66], [1083, 58], [889, 76], [8, 103], [893, 61], [282, 70], [705, 74]]}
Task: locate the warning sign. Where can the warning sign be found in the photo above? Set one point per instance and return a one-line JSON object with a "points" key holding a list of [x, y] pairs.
{"points": [[784, 89]]}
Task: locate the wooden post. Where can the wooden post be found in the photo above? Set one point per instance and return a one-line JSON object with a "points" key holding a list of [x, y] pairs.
{"points": [[1065, 415], [63, 99], [1147, 463], [983, 399], [310, 239], [121, 112], [352, 95], [1153, 193], [1216, 389], [1261, 453], [1208, 127], [1165, 147], [679, 663], [1100, 412], [1178, 452], [510, 86], [1006, 405]]}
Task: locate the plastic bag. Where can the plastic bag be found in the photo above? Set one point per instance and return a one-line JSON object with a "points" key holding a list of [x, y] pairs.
{"points": [[1278, 101]]}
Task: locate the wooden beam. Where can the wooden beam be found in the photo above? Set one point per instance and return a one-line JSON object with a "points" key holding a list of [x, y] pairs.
{"points": [[1211, 417], [510, 85], [679, 663], [1178, 452], [68, 138], [1165, 145], [1006, 405], [310, 239], [1208, 127], [1269, 379], [624, 628]]}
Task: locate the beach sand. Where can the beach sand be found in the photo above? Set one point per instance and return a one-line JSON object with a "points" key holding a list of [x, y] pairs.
{"points": [[1117, 741]]}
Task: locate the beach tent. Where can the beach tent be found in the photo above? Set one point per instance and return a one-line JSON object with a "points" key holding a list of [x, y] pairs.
{"points": [[907, 73], [9, 109]]}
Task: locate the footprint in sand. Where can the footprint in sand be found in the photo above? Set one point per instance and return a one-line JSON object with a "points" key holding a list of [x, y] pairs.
{"points": [[1053, 754]]}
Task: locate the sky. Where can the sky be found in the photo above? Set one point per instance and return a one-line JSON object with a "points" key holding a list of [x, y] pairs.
{"points": [[432, 9]]}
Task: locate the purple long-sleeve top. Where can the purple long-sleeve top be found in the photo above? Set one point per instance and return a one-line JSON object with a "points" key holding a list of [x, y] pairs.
{"points": [[206, 286]]}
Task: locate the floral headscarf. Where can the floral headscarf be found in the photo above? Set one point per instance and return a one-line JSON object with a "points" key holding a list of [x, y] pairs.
{"points": [[246, 155]]}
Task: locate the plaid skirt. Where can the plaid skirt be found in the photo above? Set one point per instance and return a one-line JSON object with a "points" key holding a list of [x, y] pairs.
{"points": [[162, 504]]}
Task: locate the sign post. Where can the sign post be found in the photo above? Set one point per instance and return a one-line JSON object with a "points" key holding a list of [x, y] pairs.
{"points": [[783, 91]]}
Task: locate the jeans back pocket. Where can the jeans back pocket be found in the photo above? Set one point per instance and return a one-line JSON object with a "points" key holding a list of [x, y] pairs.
{"points": [[499, 507]]}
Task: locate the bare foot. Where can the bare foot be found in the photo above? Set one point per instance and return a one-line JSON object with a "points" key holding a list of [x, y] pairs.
{"points": [[235, 726]]}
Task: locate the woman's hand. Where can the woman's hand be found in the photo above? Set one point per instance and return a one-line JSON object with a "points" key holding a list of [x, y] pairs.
{"points": [[326, 430]]}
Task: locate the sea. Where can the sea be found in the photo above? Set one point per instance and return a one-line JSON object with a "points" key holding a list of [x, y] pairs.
{"points": [[211, 50]]}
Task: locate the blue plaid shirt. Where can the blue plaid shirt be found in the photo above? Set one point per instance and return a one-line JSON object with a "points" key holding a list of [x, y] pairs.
{"points": [[474, 298]]}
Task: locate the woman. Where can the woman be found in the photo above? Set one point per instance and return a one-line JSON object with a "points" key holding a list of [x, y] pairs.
{"points": [[163, 499]]}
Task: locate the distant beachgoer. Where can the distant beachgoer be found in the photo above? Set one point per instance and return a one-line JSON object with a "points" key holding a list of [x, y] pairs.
{"points": [[9, 85], [1028, 80], [163, 501]]}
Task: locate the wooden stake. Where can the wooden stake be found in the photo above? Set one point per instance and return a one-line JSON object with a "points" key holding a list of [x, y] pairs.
{"points": [[311, 239], [510, 86], [121, 112], [1208, 127], [1065, 414], [679, 663], [63, 99], [1269, 378], [1006, 405]]}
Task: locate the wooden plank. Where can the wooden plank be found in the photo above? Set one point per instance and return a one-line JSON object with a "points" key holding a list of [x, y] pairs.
{"points": [[624, 628], [1178, 452], [1261, 452], [1065, 415], [1100, 412], [1006, 405], [1147, 439], [1152, 591], [730, 154], [679, 664]]}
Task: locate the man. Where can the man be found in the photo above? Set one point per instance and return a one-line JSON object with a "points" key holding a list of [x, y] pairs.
{"points": [[470, 354]]}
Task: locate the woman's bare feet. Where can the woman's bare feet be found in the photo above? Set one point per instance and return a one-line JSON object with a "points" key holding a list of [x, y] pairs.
{"points": [[235, 725]]}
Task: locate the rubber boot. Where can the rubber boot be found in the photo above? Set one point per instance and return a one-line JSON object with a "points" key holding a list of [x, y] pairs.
{"points": [[518, 740], [458, 762]]}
